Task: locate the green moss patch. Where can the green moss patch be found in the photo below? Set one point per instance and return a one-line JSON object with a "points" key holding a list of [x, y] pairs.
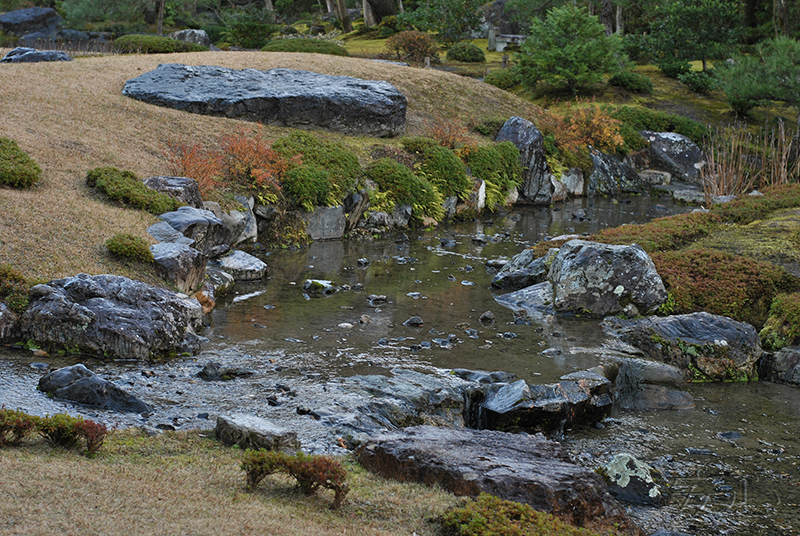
{"points": [[130, 247], [783, 325], [403, 187], [13, 289], [441, 167], [315, 46], [17, 169], [126, 188]]}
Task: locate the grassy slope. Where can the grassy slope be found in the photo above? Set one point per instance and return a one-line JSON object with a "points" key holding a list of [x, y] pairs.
{"points": [[183, 483], [72, 117]]}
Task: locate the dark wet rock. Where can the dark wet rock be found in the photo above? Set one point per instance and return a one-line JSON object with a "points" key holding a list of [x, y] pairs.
{"points": [[517, 467], [277, 97], [675, 154], [634, 481], [482, 376], [182, 189], [450, 206], [31, 55], [33, 19], [414, 321], [320, 287], [79, 384], [211, 236], [601, 279], [401, 215], [222, 281], [376, 220], [325, 223], [180, 264], [218, 372], [198, 37], [9, 323], [251, 432], [782, 366], [535, 300], [487, 317], [643, 385], [164, 232], [241, 223], [242, 266], [111, 316], [537, 187], [580, 398], [524, 270], [704, 346], [729, 436], [612, 177], [376, 299], [355, 205]]}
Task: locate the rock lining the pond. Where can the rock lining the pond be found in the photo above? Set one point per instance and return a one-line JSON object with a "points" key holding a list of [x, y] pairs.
{"points": [[79, 384], [111, 316], [634, 481], [325, 223], [524, 270], [183, 266], [704, 346], [676, 154], [517, 467], [183, 189], [782, 366], [241, 266], [643, 385], [536, 186], [251, 432], [211, 236], [299, 99], [9, 323]]}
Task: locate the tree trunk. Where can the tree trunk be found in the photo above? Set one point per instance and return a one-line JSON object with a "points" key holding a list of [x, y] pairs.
{"points": [[780, 17], [400, 8], [161, 17], [331, 6], [268, 4], [607, 16], [382, 8], [344, 17], [369, 16], [620, 22]]}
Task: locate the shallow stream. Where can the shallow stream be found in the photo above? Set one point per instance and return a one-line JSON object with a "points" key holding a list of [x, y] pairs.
{"points": [[732, 462]]}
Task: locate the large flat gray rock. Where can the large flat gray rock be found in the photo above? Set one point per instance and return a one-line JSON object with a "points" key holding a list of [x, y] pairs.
{"points": [[278, 97]]}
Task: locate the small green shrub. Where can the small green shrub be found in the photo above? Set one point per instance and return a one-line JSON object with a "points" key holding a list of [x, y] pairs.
{"points": [[129, 246], [341, 163], [126, 188], [154, 44], [61, 430], [15, 426], [412, 46], [489, 515], [674, 68], [635, 118], [466, 52], [13, 289], [723, 284], [310, 472], [308, 186], [633, 82], [315, 46], [782, 327], [440, 166], [698, 81], [248, 26], [17, 169], [403, 187], [503, 78]]}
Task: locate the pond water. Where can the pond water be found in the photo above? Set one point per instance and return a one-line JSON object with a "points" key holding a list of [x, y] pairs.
{"points": [[732, 461]]}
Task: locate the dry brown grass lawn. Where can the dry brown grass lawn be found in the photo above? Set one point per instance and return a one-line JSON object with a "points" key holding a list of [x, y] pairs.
{"points": [[71, 117], [183, 483]]}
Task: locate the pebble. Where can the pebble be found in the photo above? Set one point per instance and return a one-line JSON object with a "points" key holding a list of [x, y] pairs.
{"points": [[414, 321]]}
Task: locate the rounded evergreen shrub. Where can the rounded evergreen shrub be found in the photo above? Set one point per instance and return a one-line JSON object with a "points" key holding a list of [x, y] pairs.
{"points": [[129, 246], [154, 44], [403, 187], [633, 82], [315, 46], [308, 186], [503, 78], [413, 46], [17, 169], [674, 68], [698, 81], [467, 52]]}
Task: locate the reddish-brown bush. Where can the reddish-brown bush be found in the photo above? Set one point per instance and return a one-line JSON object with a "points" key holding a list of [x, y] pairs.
{"points": [[412, 46]]}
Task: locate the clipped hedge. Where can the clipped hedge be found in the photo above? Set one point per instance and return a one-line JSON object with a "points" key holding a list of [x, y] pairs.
{"points": [[403, 187], [315, 46], [154, 44], [466, 52], [503, 78], [633, 82], [126, 188], [17, 169]]}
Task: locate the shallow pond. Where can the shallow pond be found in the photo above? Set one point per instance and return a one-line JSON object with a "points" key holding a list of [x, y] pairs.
{"points": [[732, 461]]}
